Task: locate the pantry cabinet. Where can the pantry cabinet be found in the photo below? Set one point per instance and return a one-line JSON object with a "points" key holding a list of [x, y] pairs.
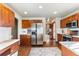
{"points": [[6, 17]]}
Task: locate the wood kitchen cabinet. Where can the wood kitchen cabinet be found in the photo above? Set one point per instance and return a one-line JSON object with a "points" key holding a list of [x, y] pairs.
{"points": [[62, 23], [25, 40], [75, 39], [5, 51], [69, 19], [36, 21], [26, 23], [66, 52], [60, 38], [9, 50], [14, 47], [11, 19], [6, 17]]}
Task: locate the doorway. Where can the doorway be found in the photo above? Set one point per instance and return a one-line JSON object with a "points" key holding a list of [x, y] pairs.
{"points": [[52, 33], [15, 30]]}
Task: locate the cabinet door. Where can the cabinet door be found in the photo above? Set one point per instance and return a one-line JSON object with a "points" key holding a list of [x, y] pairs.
{"points": [[25, 40], [62, 24], [75, 39], [14, 47], [0, 14], [5, 21], [69, 19], [64, 21], [60, 37], [6, 17], [73, 17], [26, 23], [77, 18], [67, 52], [11, 19]]}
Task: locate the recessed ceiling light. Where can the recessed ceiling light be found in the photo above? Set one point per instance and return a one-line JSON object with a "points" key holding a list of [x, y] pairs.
{"points": [[40, 7], [55, 12], [25, 12]]}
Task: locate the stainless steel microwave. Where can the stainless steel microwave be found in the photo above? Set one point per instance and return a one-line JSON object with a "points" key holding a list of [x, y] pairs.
{"points": [[74, 24]]}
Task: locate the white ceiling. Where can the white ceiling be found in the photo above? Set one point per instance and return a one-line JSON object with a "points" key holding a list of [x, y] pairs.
{"points": [[63, 9]]}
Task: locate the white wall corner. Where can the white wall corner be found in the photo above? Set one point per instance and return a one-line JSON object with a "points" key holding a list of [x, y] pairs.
{"points": [[57, 20]]}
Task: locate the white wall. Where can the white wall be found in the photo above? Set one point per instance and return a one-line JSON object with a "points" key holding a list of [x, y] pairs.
{"points": [[58, 29]]}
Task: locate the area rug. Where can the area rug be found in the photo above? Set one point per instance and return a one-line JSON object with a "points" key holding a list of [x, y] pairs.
{"points": [[45, 51]]}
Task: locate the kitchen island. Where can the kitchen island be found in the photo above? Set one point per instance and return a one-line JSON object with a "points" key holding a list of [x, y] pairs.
{"points": [[69, 48]]}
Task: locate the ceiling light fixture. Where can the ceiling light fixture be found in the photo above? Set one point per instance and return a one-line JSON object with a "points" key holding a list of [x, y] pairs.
{"points": [[55, 12], [25, 12], [40, 7]]}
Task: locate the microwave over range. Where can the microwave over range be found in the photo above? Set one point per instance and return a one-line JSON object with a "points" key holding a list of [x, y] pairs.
{"points": [[73, 24]]}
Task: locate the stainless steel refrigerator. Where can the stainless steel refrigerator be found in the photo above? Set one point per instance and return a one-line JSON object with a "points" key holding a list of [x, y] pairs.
{"points": [[37, 34]]}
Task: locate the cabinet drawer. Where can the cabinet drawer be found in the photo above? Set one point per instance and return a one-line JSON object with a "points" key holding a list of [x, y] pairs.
{"points": [[75, 39], [5, 51], [14, 47]]}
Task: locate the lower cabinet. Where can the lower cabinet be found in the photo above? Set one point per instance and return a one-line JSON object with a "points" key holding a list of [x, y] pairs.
{"points": [[66, 52], [25, 40], [5, 52], [10, 49], [59, 45], [75, 39], [14, 48]]}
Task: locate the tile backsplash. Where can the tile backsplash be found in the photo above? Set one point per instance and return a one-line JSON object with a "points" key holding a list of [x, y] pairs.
{"points": [[5, 33]]}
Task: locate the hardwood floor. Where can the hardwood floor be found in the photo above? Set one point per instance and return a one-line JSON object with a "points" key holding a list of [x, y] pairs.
{"points": [[24, 51], [48, 44]]}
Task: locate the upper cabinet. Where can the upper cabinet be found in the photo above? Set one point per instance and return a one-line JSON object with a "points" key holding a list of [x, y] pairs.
{"points": [[68, 20], [26, 23], [6, 17], [63, 23]]}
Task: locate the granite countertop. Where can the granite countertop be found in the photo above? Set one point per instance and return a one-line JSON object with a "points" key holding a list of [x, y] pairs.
{"points": [[73, 46], [7, 43]]}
